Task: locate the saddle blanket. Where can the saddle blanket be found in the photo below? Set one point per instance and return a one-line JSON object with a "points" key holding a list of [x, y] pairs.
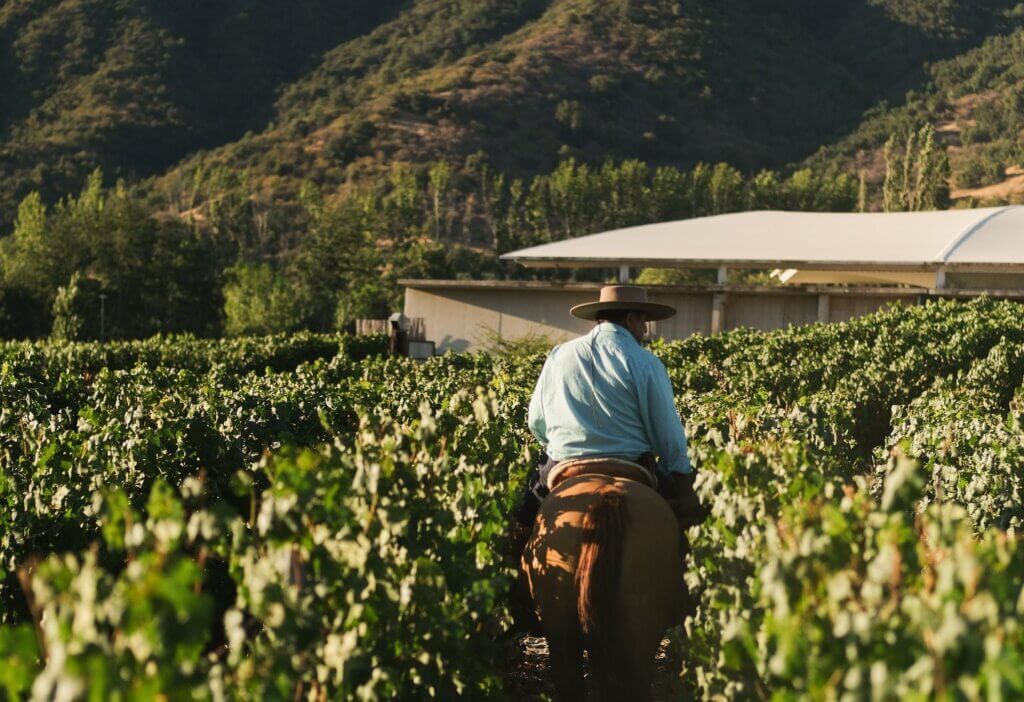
{"points": [[582, 464]]}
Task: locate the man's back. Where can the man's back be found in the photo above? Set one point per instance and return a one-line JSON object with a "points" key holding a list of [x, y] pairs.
{"points": [[603, 394]]}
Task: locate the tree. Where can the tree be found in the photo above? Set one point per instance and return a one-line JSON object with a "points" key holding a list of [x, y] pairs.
{"points": [[562, 204], [159, 275], [725, 188], [668, 189], [627, 197], [674, 276], [28, 244], [403, 206], [258, 300], [67, 323], [916, 177], [334, 253], [765, 191], [806, 191], [439, 180], [368, 300]]}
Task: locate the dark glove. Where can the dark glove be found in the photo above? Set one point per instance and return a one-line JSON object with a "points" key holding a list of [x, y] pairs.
{"points": [[687, 507]]}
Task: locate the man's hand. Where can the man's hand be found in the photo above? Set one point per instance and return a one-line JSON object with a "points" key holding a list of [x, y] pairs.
{"points": [[687, 505]]}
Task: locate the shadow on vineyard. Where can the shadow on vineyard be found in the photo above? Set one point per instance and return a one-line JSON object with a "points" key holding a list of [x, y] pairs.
{"points": [[302, 517]]}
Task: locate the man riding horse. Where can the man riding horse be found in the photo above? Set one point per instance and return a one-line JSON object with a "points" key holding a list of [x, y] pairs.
{"points": [[604, 558], [603, 395]]}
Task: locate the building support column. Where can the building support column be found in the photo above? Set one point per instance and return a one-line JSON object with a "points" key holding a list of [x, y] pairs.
{"points": [[940, 279], [624, 274], [723, 275], [718, 301], [824, 309]]}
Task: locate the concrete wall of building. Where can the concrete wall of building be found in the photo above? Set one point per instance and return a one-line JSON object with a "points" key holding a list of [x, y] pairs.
{"points": [[466, 319], [845, 307], [464, 315], [985, 281]]}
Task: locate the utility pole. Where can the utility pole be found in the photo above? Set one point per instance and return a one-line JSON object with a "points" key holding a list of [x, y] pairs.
{"points": [[103, 315]]}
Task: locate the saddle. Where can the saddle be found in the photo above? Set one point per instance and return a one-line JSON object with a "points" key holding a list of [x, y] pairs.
{"points": [[611, 467]]}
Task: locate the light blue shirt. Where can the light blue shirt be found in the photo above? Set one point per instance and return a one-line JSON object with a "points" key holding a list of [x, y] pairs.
{"points": [[604, 394]]}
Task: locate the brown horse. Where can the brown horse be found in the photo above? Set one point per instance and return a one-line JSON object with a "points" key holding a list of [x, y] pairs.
{"points": [[603, 566]]}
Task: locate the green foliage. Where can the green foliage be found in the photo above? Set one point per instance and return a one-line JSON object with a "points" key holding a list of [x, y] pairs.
{"points": [[570, 115], [157, 276], [67, 323], [976, 171], [258, 300], [526, 345], [73, 79], [19, 653], [387, 556], [965, 432], [335, 93], [975, 94], [369, 300], [577, 199], [886, 599], [411, 542], [136, 631], [918, 178], [253, 517], [674, 276], [349, 144], [439, 183], [290, 517]]}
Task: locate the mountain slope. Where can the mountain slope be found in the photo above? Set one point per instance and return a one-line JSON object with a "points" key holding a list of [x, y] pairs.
{"points": [[976, 102], [756, 83], [135, 85], [328, 91]]}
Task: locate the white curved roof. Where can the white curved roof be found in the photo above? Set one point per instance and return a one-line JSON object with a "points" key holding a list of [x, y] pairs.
{"points": [[980, 240]]}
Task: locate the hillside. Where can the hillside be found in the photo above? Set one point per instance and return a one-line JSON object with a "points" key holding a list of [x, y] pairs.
{"points": [[756, 84], [136, 85], [327, 91], [976, 102]]}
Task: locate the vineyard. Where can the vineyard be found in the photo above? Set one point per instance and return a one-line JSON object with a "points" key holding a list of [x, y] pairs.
{"points": [[303, 518]]}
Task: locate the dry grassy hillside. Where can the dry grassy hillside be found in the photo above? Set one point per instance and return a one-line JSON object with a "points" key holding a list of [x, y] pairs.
{"points": [[322, 91]]}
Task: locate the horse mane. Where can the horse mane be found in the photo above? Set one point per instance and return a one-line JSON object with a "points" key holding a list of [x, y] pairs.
{"points": [[597, 571]]}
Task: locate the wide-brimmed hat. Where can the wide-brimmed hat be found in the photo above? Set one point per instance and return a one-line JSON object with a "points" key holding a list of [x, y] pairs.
{"points": [[623, 297]]}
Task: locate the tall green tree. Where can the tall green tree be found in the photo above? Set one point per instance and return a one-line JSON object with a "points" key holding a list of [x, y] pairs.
{"points": [[439, 179], [336, 252], [67, 322], [258, 300], [916, 175]]}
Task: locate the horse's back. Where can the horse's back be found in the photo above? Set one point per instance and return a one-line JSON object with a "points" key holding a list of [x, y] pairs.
{"points": [[649, 562], [652, 535]]}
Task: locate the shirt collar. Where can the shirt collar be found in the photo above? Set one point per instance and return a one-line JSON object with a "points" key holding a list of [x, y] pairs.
{"points": [[613, 328]]}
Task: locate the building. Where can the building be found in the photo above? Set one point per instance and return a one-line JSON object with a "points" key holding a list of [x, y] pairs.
{"points": [[830, 267]]}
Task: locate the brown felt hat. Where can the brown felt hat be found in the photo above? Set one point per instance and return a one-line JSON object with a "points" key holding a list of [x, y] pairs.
{"points": [[623, 297]]}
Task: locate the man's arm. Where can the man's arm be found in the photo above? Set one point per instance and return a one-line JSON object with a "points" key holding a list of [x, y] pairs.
{"points": [[661, 419], [536, 416], [668, 440]]}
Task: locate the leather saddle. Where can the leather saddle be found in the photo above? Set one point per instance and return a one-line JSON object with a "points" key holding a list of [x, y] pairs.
{"points": [[611, 467]]}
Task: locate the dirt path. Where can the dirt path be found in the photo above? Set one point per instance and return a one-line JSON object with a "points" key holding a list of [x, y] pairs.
{"points": [[528, 677]]}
